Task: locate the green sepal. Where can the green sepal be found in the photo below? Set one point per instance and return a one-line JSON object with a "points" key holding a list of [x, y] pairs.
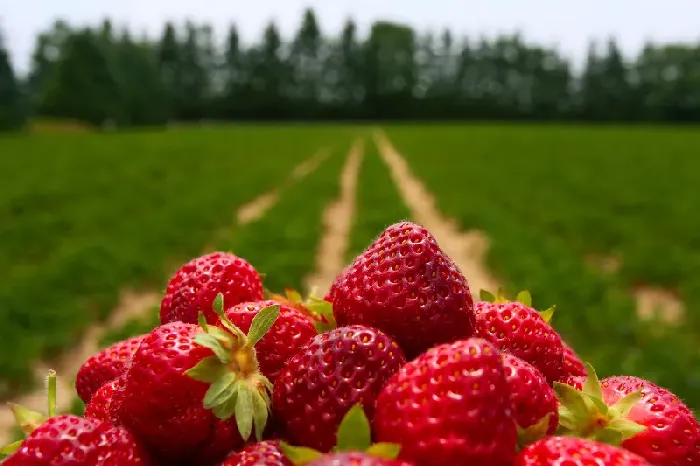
{"points": [[573, 401], [293, 295], [244, 411], [487, 296], [261, 411], [11, 448], [227, 339], [547, 313], [226, 409], [218, 304], [261, 324], [209, 370], [625, 404], [218, 307], [26, 419], [384, 450], [592, 384], [354, 433], [202, 321], [324, 310], [209, 341], [535, 432], [626, 427], [220, 391], [525, 298], [299, 455], [607, 435]]}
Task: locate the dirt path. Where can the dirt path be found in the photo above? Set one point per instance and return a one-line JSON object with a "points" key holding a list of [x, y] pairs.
{"points": [[131, 305], [337, 223], [257, 208], [467, 248]]}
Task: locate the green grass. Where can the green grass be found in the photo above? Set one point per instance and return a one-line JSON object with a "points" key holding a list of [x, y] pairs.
{"points": [[378, 202], [84, 215], [550, 196]]}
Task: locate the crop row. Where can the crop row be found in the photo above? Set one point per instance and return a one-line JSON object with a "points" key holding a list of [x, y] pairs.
{"points": [[83, 216], [549, 197]]}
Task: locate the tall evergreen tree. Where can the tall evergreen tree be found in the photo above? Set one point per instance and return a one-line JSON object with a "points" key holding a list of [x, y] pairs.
{"points": [[12, 115]]}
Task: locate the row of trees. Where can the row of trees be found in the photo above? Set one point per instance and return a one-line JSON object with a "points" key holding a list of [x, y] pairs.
{"points": [[99, 74]]}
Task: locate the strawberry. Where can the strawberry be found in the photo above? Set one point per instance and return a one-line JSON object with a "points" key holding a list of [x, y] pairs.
{"points": [[327, 376], [266, 453], [105, 366], [75, 441], [406, 286], [193, 394], [450, 406], [569, 451], [195, 285], [99, 406], [533, 400], [575, 381], [517, 328], [573, 366], [353, 446], [634, 413], [291, 331]]}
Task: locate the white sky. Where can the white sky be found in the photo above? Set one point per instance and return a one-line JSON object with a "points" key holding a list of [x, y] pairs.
{"points": [[567, 24]]}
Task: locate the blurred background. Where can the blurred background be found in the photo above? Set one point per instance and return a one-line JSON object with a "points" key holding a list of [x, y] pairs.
{"points": [[136, 133]]}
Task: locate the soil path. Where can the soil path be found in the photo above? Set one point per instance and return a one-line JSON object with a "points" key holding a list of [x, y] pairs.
{"points": [[337, 223], [131, 305], [467, 248]]}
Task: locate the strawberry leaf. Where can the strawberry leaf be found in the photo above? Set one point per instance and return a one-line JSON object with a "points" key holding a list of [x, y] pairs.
{"points": [[208, 370], [524, 298], [299, 455], [486, 296], [384, 450], [209, 341], [261, 324], [244, 411], [220, 391], [354, 432]]}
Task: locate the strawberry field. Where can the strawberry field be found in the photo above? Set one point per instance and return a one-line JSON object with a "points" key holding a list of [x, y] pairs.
{"points": [[582, 217]]}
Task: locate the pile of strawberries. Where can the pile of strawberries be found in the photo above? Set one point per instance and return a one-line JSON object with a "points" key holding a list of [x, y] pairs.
{"points": [[396, 365]]}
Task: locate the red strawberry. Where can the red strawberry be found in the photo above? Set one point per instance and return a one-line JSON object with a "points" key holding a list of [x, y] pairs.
{"points": [[75, 441], [291, 331], [569, 451], [324, 379], [353, 446], [265, 453], [640, 416], [406, 286], [573, 366], [450, 406], [534, 401], [517, 328], [99, 406], [194, 394], [354, 459], [195, 285], [105, 366], [575, 381]]}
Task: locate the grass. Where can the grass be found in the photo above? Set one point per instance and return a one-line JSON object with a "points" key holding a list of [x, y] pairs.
{"points": [[378, 202], [84, 215], [551, 196]]}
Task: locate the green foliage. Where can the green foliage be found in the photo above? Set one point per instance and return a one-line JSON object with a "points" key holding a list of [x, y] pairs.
{"points": [[12, 115], [551, 197], [82, 216]]}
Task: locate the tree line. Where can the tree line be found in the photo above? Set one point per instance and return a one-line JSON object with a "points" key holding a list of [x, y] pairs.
{"points": [[101, 75]]}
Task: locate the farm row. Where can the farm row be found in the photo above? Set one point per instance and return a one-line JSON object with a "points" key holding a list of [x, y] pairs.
{"points": [[97, 214]]}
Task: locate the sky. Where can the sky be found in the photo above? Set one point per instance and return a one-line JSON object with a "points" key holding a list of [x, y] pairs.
{"points": [[565, 24]]}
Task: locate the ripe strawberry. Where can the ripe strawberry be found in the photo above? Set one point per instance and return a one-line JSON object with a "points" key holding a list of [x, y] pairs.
{"points": [[533, 400], [266, 453], [291, 331], [105, 366], [353, 446], [570, 451], [406, 286], [450, 406], [194, 394], [575, 381], [99, 406], [354, 459], [517, 328], [573, 366], [75, 441], [640, 416], [324, 379], [195, 285]]}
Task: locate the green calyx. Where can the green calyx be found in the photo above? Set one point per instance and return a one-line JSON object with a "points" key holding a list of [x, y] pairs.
{"points": [[29, 420], [237, 388], [523, 297], [354, 435], [533, 433], [584, 413], [317, 309]]}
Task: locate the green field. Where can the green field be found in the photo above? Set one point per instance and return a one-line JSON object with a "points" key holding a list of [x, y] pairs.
{"points": [[84, 216]]}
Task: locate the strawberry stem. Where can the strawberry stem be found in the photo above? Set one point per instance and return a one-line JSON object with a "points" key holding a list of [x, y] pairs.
{"points": [[51, 389]]}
